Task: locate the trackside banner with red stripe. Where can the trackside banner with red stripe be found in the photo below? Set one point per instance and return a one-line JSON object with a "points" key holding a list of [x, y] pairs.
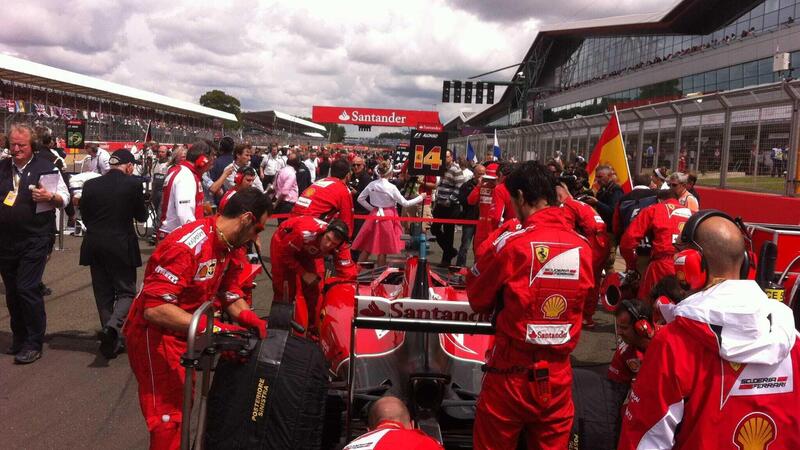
{"points": [[372, 116]]}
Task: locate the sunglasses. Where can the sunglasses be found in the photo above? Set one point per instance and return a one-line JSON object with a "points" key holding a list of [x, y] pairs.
{"points": [[673, 184]]}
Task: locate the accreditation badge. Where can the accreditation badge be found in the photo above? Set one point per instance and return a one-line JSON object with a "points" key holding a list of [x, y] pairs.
{"points": [[11, 197]]}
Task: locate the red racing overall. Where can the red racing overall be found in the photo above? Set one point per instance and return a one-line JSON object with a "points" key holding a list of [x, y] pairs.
{"points": [[494, 207], [294, 250], [326, 199], [723, 375], [188, 268], [662, 223], [543, 273], [585, 220], [390, 435]]}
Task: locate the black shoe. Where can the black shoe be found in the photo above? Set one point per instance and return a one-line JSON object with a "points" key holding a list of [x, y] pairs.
{"points": [[44, 290], [14, 349], [109, 340], [27, 356]]}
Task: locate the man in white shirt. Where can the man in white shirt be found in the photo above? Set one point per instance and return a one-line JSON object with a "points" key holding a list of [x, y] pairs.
{"points": [[271, 163], [97, 161], [241, 158], [311, 163], [182, 200]]}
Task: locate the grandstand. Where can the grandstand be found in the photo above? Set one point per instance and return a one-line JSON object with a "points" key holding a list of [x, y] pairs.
{"points": [[44, 95], [280, 127]]}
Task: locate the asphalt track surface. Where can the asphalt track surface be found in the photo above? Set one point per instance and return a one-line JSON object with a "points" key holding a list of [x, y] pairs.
{"points": [[74, 398]]}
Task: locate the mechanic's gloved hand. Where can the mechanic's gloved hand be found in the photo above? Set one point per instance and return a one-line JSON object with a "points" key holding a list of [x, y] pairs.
{"points": [[219, 327], [249, 319]]}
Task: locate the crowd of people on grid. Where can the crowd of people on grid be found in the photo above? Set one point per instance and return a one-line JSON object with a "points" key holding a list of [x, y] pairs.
{"points": [[214, 198]]}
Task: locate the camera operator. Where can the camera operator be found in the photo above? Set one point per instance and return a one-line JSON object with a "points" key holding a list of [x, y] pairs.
{"points": [[723, 371]]}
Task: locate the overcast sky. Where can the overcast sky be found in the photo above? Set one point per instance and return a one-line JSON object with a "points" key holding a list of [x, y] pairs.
{"points": [[290, 55]]}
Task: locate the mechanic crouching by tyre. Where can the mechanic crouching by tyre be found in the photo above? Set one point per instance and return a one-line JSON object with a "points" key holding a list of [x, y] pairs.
{"points": [[296, 252], [536, 279], [194, 264]]}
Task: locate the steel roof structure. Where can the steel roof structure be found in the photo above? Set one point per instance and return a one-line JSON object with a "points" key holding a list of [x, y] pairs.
{"points": [[278, 119], [18, 70], [556, 42]]}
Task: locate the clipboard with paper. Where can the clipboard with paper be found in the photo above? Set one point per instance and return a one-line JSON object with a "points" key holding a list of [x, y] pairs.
{"points": [[49, 181]]}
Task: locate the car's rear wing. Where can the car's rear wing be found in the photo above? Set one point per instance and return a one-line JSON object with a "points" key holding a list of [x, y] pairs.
{"points": [[428, 316], [405, 314]]}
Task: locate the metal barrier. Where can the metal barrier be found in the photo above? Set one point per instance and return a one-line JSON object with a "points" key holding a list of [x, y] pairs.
{"points": [[742, 139]]}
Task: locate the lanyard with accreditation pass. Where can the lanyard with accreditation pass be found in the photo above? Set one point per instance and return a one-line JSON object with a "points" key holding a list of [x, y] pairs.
{"points": [[11, 197]]}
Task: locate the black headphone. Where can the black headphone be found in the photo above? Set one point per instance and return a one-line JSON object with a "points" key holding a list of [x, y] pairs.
{"points": [[688, 237], [339, 228], [641, 323]]}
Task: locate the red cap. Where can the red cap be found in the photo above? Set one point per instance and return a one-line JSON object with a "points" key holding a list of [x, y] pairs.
{"points": [[491, 171]]}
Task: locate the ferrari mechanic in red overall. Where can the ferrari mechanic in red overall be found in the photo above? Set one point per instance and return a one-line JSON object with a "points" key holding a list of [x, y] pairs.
{"points": [[296, 251], [505, 208], [194, 264], [391, 428], [328, 198], [182, 197], [494, 203], [540, 274], [483, 196], [243, 179], [723, 374], [662, 223], [585, 220], [634, 325]]}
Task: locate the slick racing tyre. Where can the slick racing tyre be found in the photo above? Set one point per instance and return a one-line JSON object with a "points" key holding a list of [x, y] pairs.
{"points": [[275, 400], [598, 402]]}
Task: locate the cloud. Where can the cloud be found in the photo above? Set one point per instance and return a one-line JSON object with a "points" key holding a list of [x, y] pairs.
{"points": [[289, 55], [554, 12]]}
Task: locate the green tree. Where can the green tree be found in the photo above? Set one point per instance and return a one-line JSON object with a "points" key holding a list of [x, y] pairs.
{"points": [[220, 100], [394, 135], [335, 132]]}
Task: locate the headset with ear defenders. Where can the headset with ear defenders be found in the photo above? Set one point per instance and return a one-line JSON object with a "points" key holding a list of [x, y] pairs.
{"points": [[339, 228], [241, 173], [690, 264], [201, 163], [641, 324]]}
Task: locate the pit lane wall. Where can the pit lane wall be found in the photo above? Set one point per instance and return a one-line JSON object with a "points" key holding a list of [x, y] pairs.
{"points": [[752, 206]]}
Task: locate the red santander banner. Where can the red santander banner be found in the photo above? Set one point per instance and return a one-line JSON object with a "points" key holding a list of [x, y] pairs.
{"points": [[374, 117]]}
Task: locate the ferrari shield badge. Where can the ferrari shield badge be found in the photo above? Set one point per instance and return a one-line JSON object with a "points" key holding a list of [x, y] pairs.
{"points": [[542, 252]]}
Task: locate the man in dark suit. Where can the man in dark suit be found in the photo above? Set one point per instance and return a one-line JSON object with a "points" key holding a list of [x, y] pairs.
{"points": [[27, 221], [109, 205]]}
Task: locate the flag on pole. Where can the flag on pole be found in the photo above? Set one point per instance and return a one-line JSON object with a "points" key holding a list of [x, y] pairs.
{"points": [[148, 135], [496, 149], [610, 151], [471, 156]]}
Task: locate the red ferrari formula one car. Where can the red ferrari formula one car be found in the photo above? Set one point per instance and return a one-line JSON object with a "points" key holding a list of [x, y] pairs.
{"points": [[405, 329]]}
